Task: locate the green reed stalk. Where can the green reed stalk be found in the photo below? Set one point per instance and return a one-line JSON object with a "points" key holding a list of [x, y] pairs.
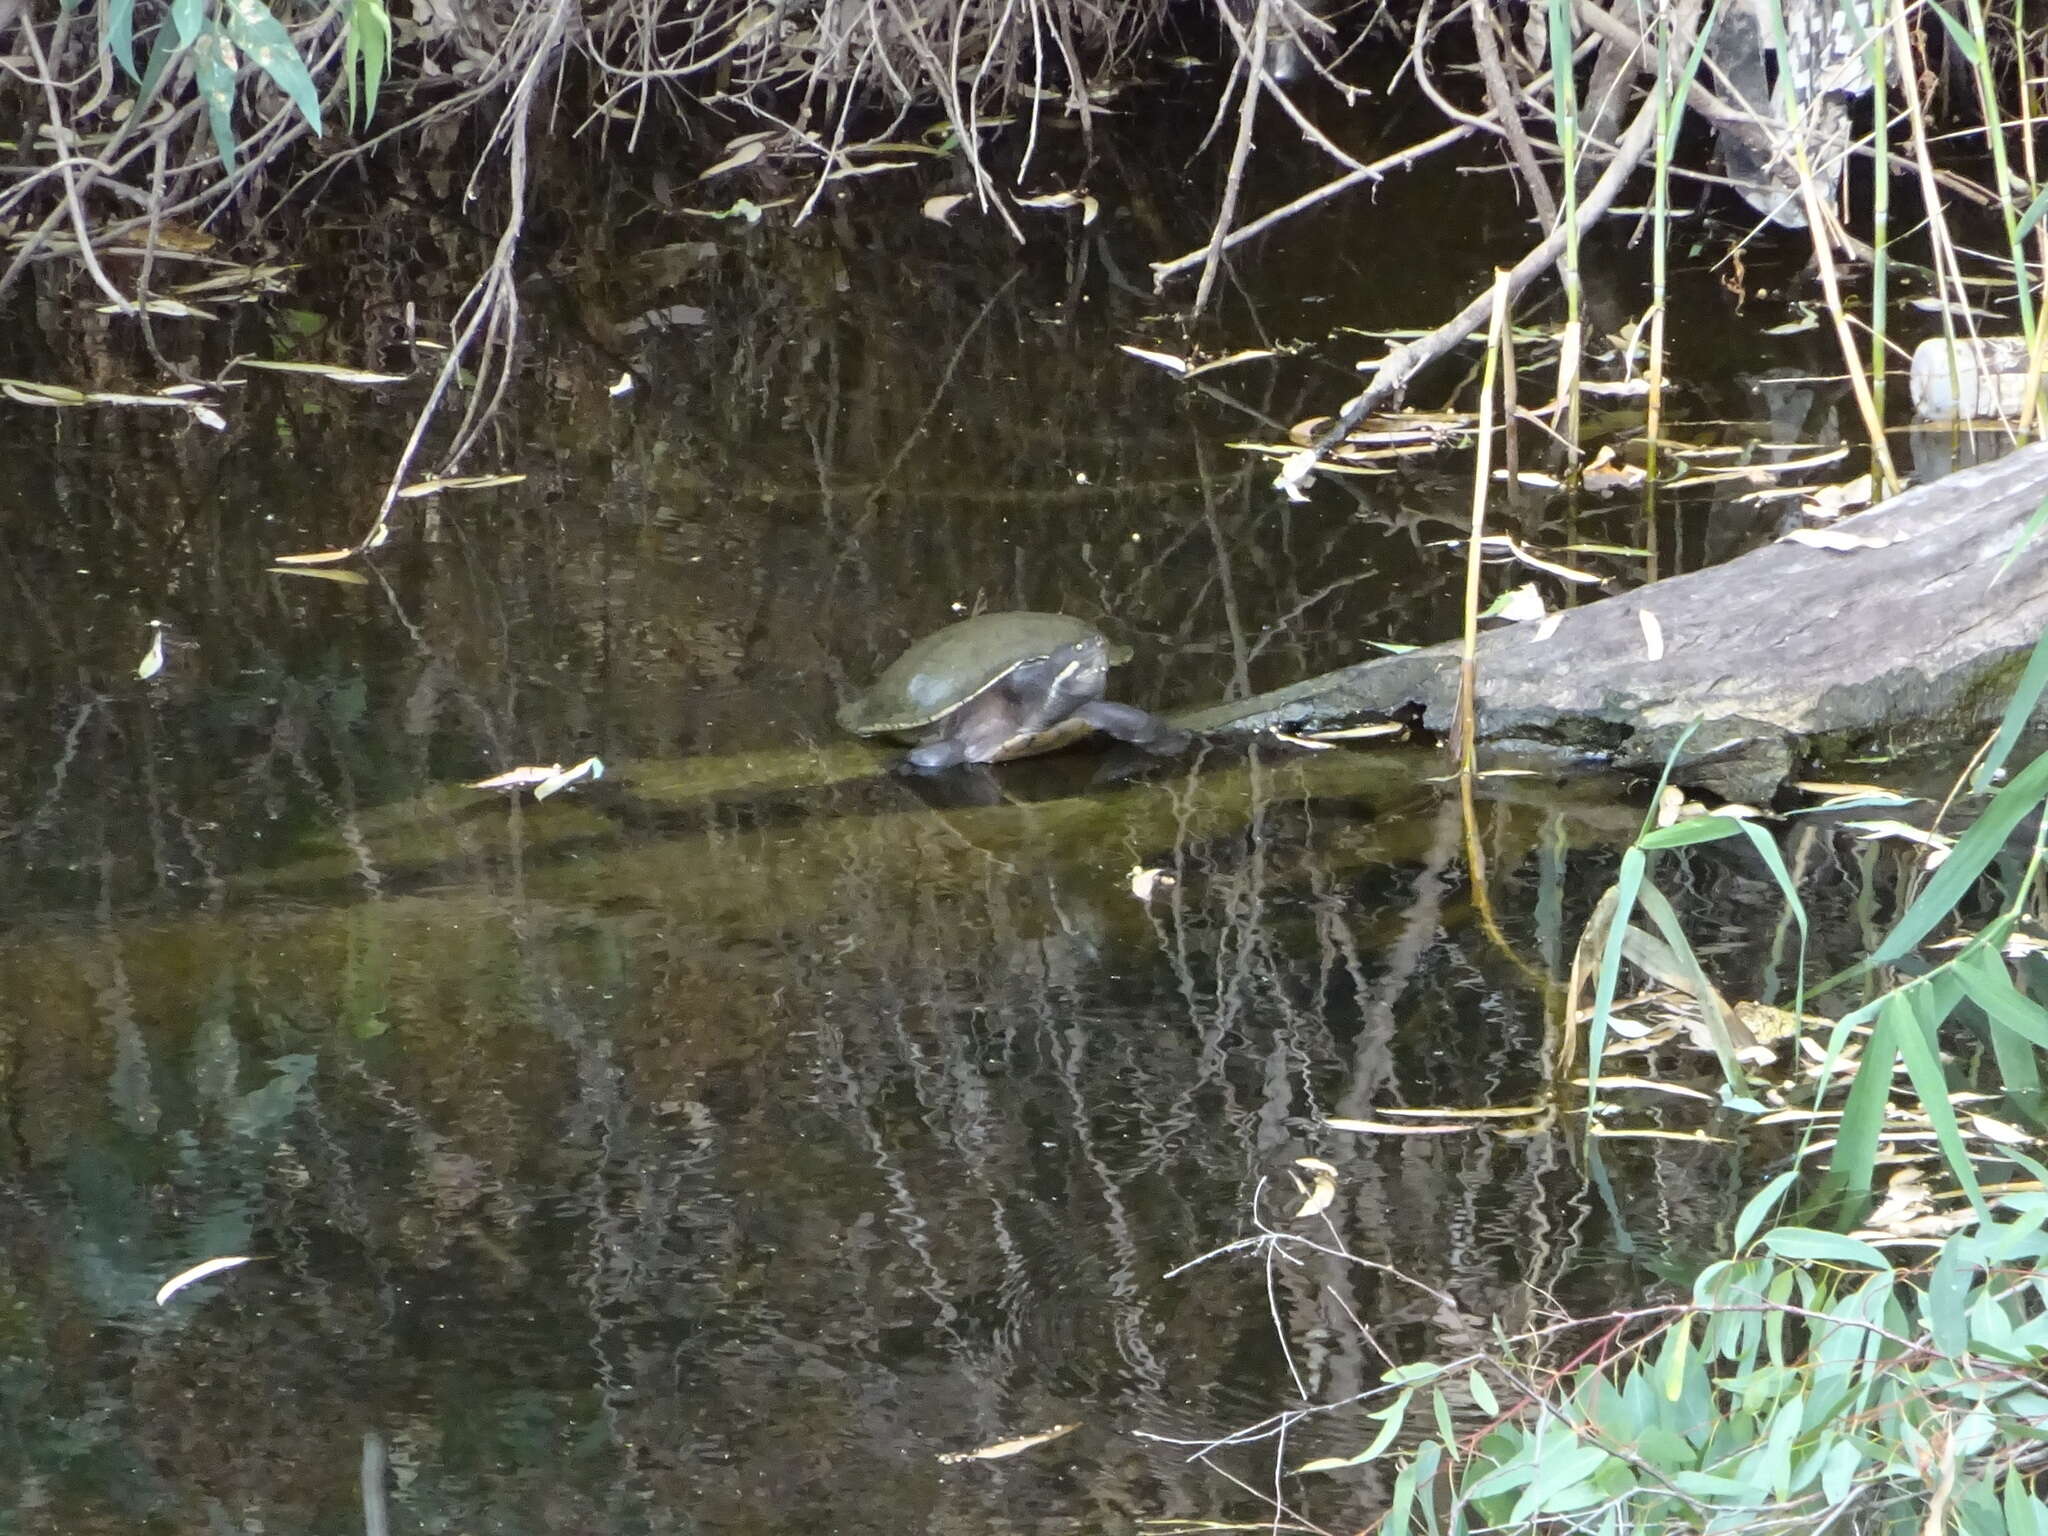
{"points": [[1817, 215], [1475, 548], [1878, 52], [1977, 48], [1668, 120], [1564, 111]]}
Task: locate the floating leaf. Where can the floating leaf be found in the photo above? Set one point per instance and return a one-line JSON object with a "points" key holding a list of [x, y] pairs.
{"points": [[2004, 1133], [1359, 732], [589, 768], [199, 1272], [753, 149], [153, 663], [28, 392], [344, 578], [1607, 473], [1004, 1448], [1519, 605], [1144, 881], [1388, 1128], [1088, 205], [1529, 557], [333, 372], [940, 209], [1899, 831], [518, 778], [435, 487], [175, 309], [1248, 355], [742, 208], [1322, 1192], [1164, 360]]}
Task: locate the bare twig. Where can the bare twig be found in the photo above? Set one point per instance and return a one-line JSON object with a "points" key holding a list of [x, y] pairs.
{"points": [[1502, 97], [1404, 362], [1400, 159]]}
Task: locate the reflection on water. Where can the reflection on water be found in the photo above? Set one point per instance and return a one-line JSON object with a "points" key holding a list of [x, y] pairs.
{"points": [[714, 1146]]}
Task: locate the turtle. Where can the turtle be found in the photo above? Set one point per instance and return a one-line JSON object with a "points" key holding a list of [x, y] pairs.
{"points": [[998, 686]]}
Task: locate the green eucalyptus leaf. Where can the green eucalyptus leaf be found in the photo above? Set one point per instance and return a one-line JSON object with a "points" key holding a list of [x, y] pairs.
{"points": [[166, 48], [1838, 1469], [118, 20], [1827, 1247], [1760, 1205], [2025, 1515], [1482, 1392], [1707, 1485], [191, 19], [264, 42], [366, 49], [216, 79]]}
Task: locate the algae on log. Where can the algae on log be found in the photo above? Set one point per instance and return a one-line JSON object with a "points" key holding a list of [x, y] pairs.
{"points": [[1914, 633]]}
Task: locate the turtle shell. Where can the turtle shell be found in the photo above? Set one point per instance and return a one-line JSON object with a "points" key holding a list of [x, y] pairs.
{"points": [[962, 661]]}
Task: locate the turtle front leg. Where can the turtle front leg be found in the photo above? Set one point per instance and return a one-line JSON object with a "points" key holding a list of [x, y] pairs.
{"points": [[1126, 722], [973, 733]]}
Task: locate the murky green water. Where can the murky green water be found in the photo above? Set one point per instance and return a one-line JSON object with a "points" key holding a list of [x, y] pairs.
{"points": [[712, 1147]]}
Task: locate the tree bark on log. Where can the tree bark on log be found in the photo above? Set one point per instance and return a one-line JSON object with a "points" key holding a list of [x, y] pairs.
{"points": [[1916, 637]]}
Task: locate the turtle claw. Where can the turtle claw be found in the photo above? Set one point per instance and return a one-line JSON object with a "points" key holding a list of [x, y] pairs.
{"points": [[932, 757], [1126, 722]]}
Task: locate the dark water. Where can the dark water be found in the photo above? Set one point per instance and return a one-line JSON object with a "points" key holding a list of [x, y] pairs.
{"points": [[712, 1147]]}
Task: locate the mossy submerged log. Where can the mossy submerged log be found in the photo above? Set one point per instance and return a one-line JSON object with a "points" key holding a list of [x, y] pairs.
{"points": [[1908, 639]]}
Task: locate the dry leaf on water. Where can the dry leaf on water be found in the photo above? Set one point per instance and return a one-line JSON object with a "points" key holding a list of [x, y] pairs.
{"points": [[591, 768], [321, 573], [1321, 1192], [1358, 732], [1144, 881], [334, 373], [153, 663], [746, 154], [543, 781], [1002, 1448], [1518, 605], [421, 488], [175, 309], [198, 1272], [1088, 205]]}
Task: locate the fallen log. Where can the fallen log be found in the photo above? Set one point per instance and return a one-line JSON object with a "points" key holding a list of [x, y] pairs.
{"points": [[1912, 636]]}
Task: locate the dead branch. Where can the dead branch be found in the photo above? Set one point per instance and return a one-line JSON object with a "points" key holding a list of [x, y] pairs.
{"points": [[1404, 362], [1162, 271]]}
